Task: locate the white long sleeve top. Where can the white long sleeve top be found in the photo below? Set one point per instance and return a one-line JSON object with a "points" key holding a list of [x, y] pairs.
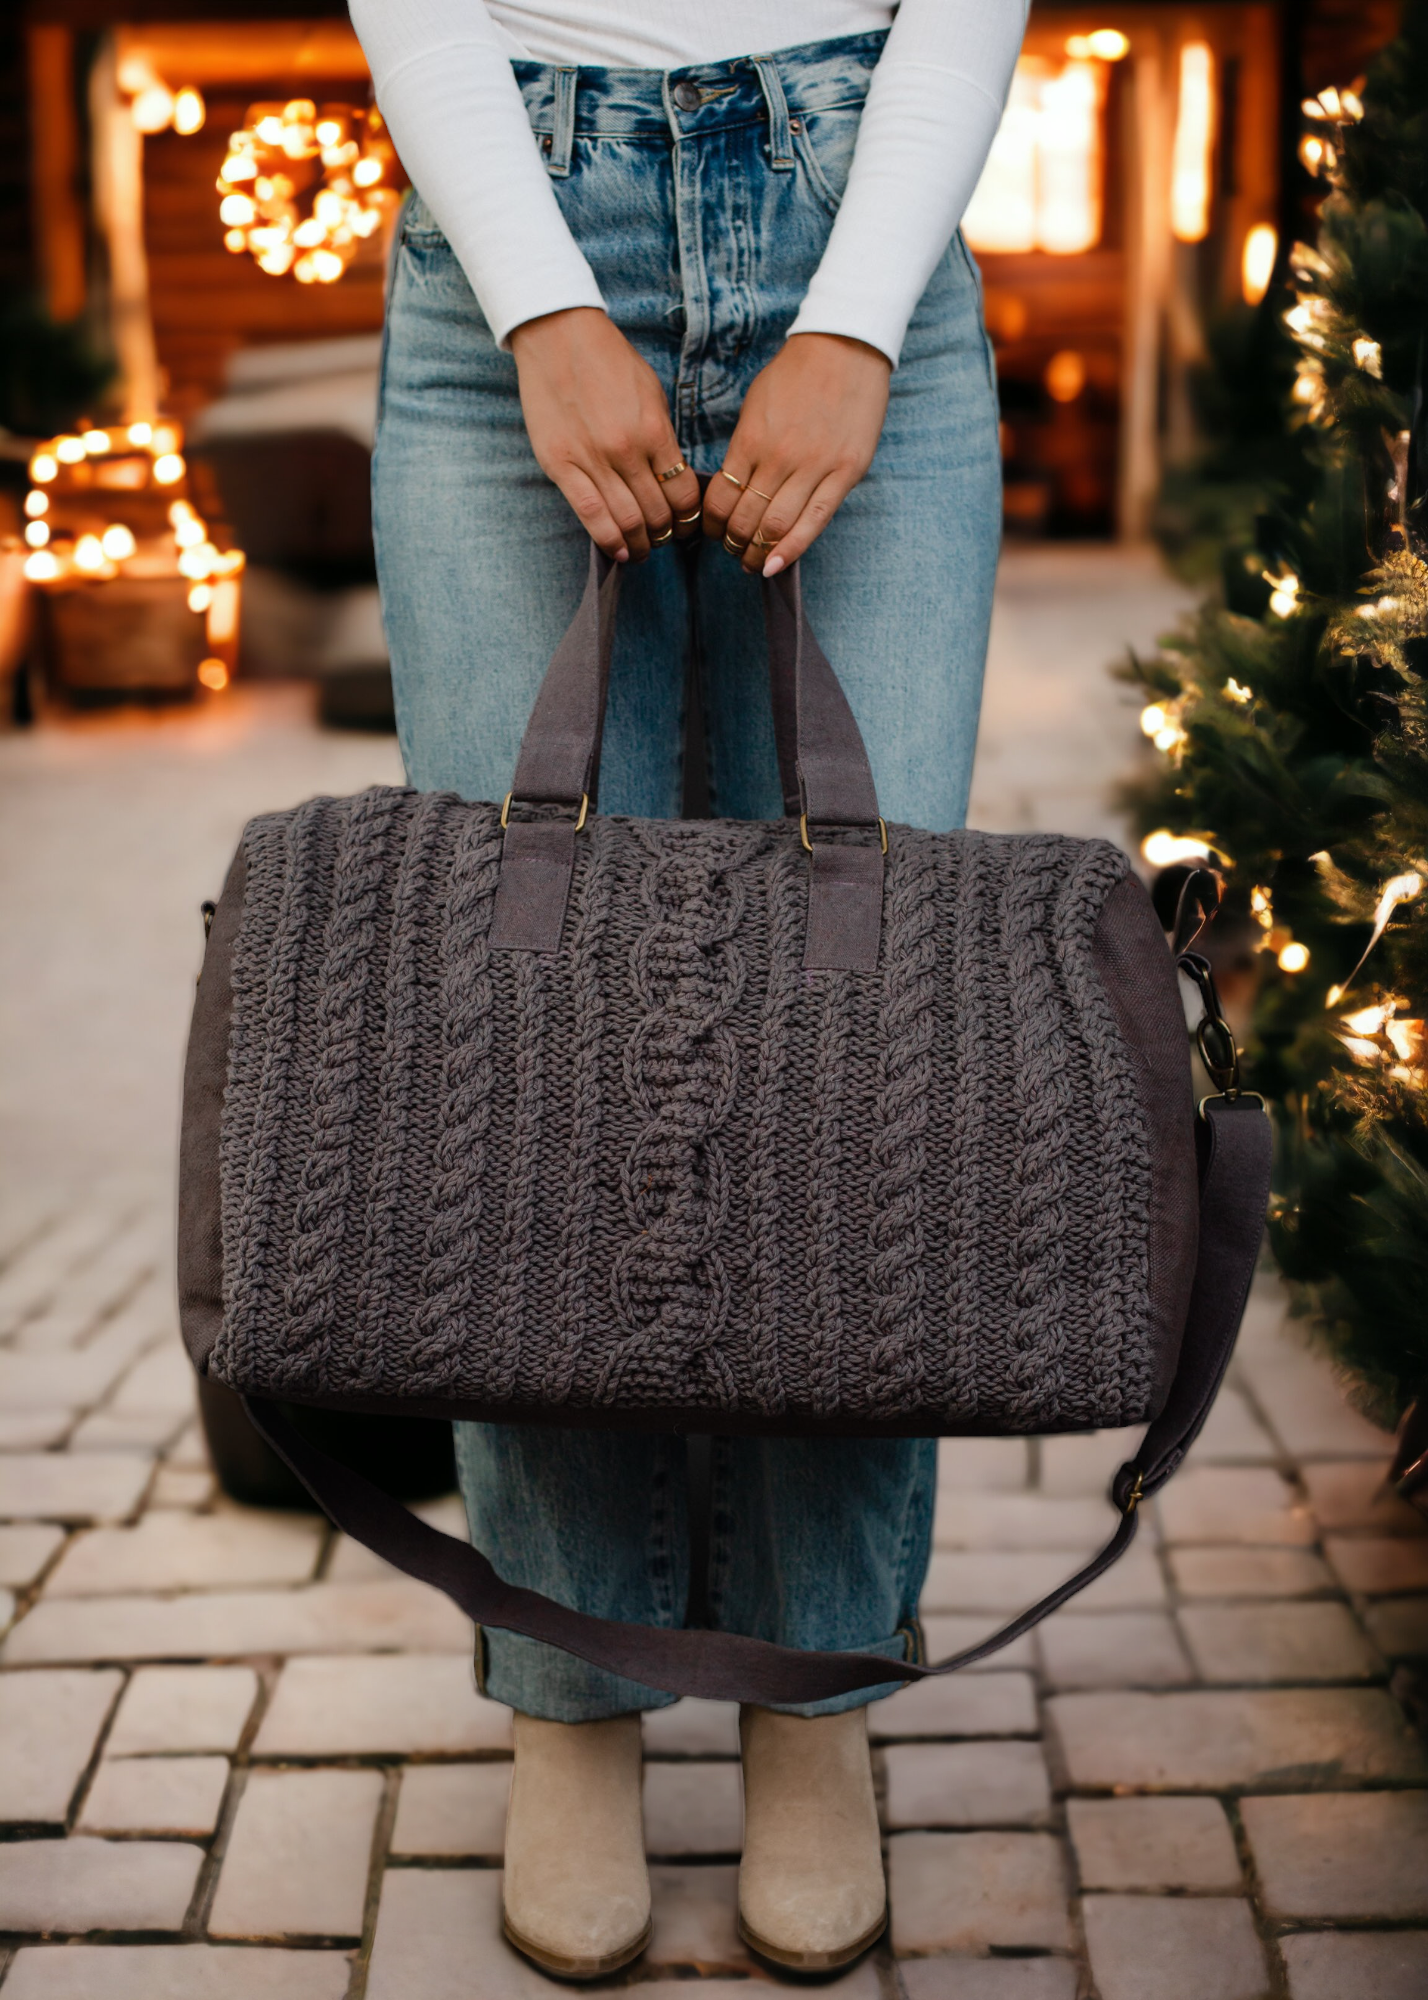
{"points": [[444, 83]]}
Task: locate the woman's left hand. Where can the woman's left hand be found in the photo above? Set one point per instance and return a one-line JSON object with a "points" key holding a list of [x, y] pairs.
{"points": [[805, 436]]}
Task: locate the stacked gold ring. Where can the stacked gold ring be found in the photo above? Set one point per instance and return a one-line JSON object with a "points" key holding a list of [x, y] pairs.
{"points": [[683, 520], [674, 471], [657, 541], [734, 548]]}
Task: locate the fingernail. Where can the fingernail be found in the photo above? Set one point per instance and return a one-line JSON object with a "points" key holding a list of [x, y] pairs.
{"points": [[773, 565], [622, 555]]}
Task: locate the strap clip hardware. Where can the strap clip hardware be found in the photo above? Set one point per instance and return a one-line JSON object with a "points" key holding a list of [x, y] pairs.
{"points": [[1136, 1494], [803, 832], [580, 819]]}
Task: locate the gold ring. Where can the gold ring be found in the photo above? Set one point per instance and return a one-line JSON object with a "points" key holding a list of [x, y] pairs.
{"points": [[763, 541], [658, 541], [683, 520], [734, 548], [674, 471], [731, 479], [762, 496]]}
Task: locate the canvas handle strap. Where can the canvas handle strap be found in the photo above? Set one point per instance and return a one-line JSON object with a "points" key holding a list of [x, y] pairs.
{"points": [[1233, 1139]]}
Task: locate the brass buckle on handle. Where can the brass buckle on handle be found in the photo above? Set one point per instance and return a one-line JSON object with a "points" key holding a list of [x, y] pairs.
{"points": [[803, 832], [579, 823], [1136, 1494]]}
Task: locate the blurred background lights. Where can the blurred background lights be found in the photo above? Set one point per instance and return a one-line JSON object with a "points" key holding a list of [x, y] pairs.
{"points": [[1041, 187], [1163, 849], [1065, 375], [1293, 957], [1257, 261], [1194, 144], [299, 179], [213, 674]]}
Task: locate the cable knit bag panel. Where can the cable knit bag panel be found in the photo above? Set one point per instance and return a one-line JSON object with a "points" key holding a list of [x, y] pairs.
{"points": [[673, 1171]]}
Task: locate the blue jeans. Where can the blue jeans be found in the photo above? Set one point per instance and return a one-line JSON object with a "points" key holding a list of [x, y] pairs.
{"points": [[704, 226]]}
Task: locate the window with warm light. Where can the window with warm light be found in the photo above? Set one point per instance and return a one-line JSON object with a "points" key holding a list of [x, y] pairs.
{"points": [[1041, 188], [1194, 145]]}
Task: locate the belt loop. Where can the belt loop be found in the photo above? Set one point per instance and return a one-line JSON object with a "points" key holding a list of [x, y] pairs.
{"points": [[562, 132], [780, 137]]}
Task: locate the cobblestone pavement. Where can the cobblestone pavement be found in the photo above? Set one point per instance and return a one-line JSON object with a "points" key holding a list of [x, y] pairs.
{"points": [[238, 1758]]}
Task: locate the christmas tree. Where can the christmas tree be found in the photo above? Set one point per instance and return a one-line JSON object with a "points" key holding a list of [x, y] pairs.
{"points": [[1293, 719]]}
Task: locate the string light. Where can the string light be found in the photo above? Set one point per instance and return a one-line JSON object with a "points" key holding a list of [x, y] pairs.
{"points": [[36, 504], [1236, 693], [340, 163], [1283, 593], [37, 533], [1293, 957], [1164, 849], [1368, 355], [1194, 144], [1257, 261]]}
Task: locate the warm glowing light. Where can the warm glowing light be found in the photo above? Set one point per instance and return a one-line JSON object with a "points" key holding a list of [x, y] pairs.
{"points": [[277, 260], [1065, 375], [1368, 355], [319, 267], [37, 533], [367, 173], [189, 111], [270, 131], [239, 167], [69, 450], [237, 210], [200, 597], [37, 503], [1164, 849], [179, 510], [1257, 261], [96, 442], [235, 240], [118, 543], [153, 108], [327, 132], [1283, 593], [1312, 152], [167, 437], [1236, 693], [1041, 188], [1293, 957], [169, 468], [213, 674], [223, 612], [43, 467], [41, 567], [89, 554], [189, 531], [1108, 44], [141, 434], [1194, 144]]}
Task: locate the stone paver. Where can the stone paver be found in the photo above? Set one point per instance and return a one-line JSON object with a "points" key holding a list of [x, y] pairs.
{"points": [[79, 1885], [949, 1633], [1357, 1965], [1153, 1843], [64, 1486], [224, 1551], [49, 1725], [1223, 1503], [693, 1808], [1279, 1739], [989, 1979], [175, 1972], [1008, 1581], [977, 1892], [1257, 1573], [982, 1465], [183, 1708], [1233, 1434], [1342, 1854], [966, 1784], [434, 1927], [1177, 1948], [404, 1703], [179, 1795], [1112, 1649], [1020, 1521], [1086, 1464], [298, 1856], [1307, 1406], [694, 1912], [1278, 1642], [453, 1810], [1399, 1627], [24, 1551], [1357, 1497], [1379, 1565], [986, 1704]]}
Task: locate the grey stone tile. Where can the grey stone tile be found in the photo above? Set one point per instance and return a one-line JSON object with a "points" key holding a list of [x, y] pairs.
{"points": [[948, 1633], [1379, 1565], [982, 1465], [71, 1486], [977, 1892], [96, 1885], [1009, 1580], [1112, 1649], [694, 1912], [693, 1808], [298, 1856], [175, 1972], [434, 1925], [1086, 1464], [49, 1725], [1215, 1503], [402, 1703], [226, 1551], [1233, 1434], [1280, 1739], [1278, 1642], [986, 1704], [7, 1609], [318, 1618], [1357, 1965], [175, 1487], [1341, 1854], [1398, 1626], [966, 1784], [1306, 1405], [1153, 1843], [1020, 1521], [351, 1563], [162, 1380], [1357, 1497], [33, 1430], [1178, 1948], [454, 1810], [1135, 1583], [1240, 1572], [988, 1978], [692, 1728], [179, 1795], [24, 1551], [183, 1708], [147, 1431]]}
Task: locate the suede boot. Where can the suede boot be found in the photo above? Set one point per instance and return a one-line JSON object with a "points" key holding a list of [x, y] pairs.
{"points": [[812, 1895], [577, 1891]]}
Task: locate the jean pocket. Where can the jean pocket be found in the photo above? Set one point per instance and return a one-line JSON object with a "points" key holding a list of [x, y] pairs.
{"points": [[823, 143]]}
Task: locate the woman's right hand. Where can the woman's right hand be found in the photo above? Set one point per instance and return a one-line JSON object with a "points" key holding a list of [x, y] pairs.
{"points": [[600, 429]]}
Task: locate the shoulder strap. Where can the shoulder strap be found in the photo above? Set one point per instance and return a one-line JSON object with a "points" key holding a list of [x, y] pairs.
{"points": [[1233, 1142]]}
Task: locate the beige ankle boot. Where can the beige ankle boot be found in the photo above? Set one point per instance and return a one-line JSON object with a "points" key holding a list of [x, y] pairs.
{"points": [[811, 1890], [577, 1892]]}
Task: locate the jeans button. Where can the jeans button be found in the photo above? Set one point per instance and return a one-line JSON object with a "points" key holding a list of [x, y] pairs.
{"points": [[687, 96]]}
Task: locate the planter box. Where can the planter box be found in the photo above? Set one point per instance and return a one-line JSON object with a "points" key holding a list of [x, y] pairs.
{"points": [[129, 635]]}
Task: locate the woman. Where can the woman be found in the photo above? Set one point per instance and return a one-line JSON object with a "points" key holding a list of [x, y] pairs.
{"points": [[658, 283]]}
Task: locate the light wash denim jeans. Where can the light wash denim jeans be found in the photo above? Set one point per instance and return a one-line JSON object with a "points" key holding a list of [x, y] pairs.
{"points": [[704, 218]]}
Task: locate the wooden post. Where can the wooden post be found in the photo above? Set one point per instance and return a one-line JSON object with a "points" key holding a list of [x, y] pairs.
{"points": [[118, 154], [54, 172], [1147, 273]]}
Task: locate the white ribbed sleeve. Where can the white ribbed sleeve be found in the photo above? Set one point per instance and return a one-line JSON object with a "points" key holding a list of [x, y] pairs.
{"points": [[443, 80]]}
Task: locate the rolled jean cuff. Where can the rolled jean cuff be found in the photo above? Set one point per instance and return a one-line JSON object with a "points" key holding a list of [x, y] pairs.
{"points": [[905, 1644]]}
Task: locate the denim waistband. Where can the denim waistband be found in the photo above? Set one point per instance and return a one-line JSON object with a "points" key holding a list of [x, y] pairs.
{"points": [[653, 103]]}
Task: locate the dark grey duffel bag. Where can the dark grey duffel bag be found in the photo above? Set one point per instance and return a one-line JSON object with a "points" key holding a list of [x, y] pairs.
{"points": [[814, 1127]]}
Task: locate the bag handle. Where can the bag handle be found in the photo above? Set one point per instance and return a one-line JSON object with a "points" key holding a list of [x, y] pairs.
{"points": [[820, 750], [1233, 1144]]}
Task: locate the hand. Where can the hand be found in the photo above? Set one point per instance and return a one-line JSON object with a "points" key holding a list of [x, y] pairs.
{"points": [[805, 436], [600, 429]]}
